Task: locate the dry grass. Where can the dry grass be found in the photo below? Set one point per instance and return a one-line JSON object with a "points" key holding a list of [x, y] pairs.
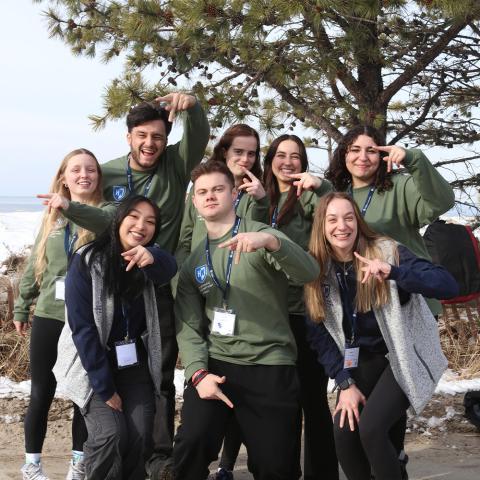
{"points": [[459, 329], [14, 350]]}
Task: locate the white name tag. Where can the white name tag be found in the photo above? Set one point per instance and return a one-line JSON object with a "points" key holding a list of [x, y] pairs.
{"points": [[60, 289], [223, 322], [351, 357], [126, 353]]}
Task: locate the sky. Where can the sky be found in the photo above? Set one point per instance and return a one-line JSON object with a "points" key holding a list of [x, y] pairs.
{"points": [[47, 95]]}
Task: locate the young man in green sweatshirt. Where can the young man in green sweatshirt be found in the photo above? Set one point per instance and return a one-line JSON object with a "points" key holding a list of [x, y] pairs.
{"points": [[234, 337], [161, 173]]}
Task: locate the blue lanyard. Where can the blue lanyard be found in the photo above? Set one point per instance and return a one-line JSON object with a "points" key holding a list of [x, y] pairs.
{"points": [[69, 243], [225, 290], [352, 316], [237, 200], [126, 319], [367, 201], [130, 180], [273, 223]]}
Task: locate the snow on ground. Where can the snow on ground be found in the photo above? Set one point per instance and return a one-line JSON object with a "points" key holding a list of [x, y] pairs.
{"points": [[17, 231], [449, 385]]}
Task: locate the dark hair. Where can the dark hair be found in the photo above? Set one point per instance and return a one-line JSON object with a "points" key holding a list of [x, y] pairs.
{"points": [[291, 205], [108, 248], [337, 171], [212, 166], [226, 140], [146, 112]]}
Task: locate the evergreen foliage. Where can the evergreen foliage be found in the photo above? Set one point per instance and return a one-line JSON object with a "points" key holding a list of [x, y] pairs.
{"points": [[408, 67]]}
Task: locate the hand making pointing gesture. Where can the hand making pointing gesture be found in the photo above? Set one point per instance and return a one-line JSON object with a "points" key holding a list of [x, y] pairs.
{"points": [[251, 242], [176, 102], [252, 185], [305, 181], [379, 269], [395, 155]]}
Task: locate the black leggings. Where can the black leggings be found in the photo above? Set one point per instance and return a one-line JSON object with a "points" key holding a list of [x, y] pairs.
{"points": [[370, 449], [43, 355]]}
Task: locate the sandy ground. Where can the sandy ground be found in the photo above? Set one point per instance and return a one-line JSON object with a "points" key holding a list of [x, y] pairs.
{"points": [[450, 450]]}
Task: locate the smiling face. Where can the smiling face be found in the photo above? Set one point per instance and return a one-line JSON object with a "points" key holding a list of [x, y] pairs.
{"points": [[138, 227], [362, 161], [147, 142], [213, 196], [81, 176], [341, 228], [286, 161], [241, 155]]}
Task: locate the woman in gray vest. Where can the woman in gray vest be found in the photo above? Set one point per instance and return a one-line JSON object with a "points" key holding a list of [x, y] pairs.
{"points": [[373, 333], [109, 357]]}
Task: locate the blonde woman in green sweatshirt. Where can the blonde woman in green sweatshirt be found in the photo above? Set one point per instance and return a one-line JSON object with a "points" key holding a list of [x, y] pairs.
{"points": [[78, 180]]}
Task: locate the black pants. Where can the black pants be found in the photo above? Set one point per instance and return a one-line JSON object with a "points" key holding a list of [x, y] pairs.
{"points": [[320, 459], [119, 443], [266, 406], [43, 355], [369, 449], [164, 422]]}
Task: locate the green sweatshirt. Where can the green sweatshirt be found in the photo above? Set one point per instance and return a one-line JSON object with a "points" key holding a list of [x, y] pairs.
{"points": [[193, 230], [258, 296], [56, 268], [170, 179], [298, 230], [415, 200]]}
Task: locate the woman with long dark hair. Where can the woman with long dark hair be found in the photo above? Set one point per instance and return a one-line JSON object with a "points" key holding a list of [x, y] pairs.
{"points": [[78, 181], [293, 195], [109, 360], [373, 333]]}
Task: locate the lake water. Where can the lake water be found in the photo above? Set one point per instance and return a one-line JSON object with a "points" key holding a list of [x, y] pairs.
{"points": [[20, 204]]}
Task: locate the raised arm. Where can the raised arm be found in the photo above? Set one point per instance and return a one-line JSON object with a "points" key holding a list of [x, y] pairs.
{"points": [[427, 193], [196, 131]]}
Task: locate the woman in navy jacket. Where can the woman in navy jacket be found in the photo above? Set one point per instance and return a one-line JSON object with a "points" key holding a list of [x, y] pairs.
{"points": [[373, 332], [109, 359]]}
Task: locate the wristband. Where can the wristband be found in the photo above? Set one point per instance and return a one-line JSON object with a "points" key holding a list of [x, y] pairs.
{"points": [[198, 376]]}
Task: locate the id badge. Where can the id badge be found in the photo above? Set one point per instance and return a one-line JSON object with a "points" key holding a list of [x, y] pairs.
{"points": [[223, 322], [126, 351], [60, 289], [351, 357]]}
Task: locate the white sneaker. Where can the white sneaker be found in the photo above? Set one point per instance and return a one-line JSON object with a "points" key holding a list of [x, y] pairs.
{"points": [[33, 471], [76, 471]]}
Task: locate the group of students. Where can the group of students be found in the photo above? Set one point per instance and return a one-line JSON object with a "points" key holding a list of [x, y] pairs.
{"points": [[285, 279]]}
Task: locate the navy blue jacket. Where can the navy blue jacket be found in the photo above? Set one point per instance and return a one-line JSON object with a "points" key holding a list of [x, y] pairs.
{"points": [[412, 275], [78, 299]]}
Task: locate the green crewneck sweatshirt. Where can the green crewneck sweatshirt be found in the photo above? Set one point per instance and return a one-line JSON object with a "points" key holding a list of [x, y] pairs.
{"points": [[56, 268], [169, 179], [193, 230], [415, 200], [298, 230], [258, 296]]}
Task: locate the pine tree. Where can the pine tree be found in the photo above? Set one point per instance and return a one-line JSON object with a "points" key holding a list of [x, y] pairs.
{"points": [[408, 67]]}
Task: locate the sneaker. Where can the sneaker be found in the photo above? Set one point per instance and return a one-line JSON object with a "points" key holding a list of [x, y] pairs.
{"points": [[403, 467], [76, 471], [33, 471], [221, 474]]}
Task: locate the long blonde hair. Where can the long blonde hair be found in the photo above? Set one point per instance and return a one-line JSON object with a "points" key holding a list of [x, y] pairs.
{"points": [[50, 221], [371, 294]]}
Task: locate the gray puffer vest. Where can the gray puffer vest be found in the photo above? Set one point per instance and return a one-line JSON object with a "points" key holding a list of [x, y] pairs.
{"points": [[410, 333], [71, 377]]}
